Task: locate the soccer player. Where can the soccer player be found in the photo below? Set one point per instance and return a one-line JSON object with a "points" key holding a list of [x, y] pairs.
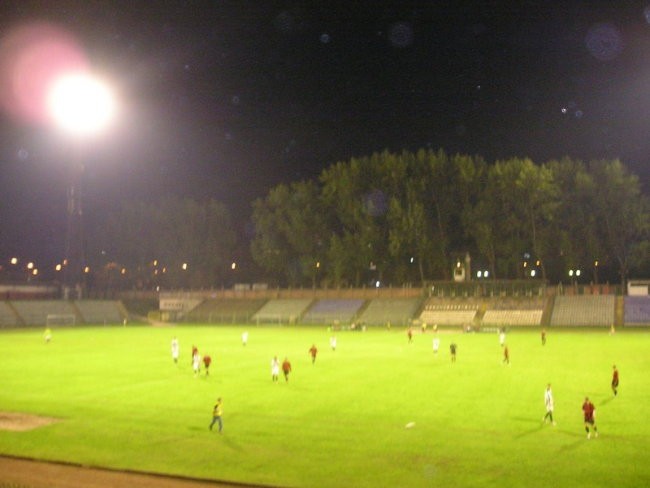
{"points": [[506, 354], [409, 333], [286, 369], [175, 349], [543, 337], [333, 343], [217, 412], [207, 360], [275, 368], [452, 350], [548, 403], [502, 337], [590, 417], [195, 351], [244, 338], [47, 335], [196, 363], [615, 381], [312, 352], [436, 344]]}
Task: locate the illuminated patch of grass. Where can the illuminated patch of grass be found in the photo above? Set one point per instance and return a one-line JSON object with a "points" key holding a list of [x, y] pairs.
{"points": [[341, 421]]}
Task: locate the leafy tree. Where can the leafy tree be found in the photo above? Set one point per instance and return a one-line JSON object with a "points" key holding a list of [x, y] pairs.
{"points": [[538, 198], [621, 212], [177, 243], [359, 203], [290, 239], [573, 241], [409, 216]]}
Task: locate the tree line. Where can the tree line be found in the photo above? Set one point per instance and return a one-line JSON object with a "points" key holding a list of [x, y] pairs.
{"points": [[400, 218]]}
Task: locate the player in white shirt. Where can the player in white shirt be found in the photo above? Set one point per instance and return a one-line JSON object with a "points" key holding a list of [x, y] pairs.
{"points": [[196, 363], [175, 349], [275, 368], [548, 403]]}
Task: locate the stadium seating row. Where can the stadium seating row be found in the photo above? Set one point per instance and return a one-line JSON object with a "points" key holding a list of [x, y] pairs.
{"points": [[576, 310], [43, 312], [637, 310], [585, 310]]}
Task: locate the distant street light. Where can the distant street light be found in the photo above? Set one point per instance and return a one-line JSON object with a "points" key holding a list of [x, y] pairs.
{"points": [[82, 106]]}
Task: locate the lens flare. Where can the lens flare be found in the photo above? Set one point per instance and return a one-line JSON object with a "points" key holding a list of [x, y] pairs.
{"points": [[31, 57]]}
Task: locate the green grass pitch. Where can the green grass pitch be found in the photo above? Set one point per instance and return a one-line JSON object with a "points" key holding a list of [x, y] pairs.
{"points": [[342, 421]]}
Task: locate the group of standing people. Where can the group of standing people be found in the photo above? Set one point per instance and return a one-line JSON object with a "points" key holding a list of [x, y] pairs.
{"points": [[276, 366], [588, 407], [197, 359], [285, 366]]}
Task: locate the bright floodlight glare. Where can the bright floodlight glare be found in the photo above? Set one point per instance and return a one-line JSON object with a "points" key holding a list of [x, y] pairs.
{"points": [[80, 104]]}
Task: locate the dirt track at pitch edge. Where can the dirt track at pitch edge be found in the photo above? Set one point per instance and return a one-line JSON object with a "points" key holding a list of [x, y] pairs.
{"points": [[26, 473]]}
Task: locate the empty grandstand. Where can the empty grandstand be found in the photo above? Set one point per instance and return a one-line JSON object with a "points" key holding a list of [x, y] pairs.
{"points": [[510, 311], [333, 311], [100, 311], [396, 311], [584, 310], [36, 312], [441, 311], [224, 310], [512, 317], [282, 310], [637, 310], [8, 318]]}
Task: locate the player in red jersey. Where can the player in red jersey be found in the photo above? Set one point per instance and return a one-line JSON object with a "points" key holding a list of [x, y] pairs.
{"points": [[312, 352], [543, 337], [207, 360], [615, 381], [506, 354], [286, 368], [409, 334], [589, 412]]}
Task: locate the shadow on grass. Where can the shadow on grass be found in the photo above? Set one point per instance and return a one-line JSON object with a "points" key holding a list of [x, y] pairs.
{"points": [[528, 420], [228, 441], [580, 440], [219, 437], [606, 401]]}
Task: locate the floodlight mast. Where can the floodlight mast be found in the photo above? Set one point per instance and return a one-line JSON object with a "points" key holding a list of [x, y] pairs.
{"points": [[74, 255], [82, 106]]}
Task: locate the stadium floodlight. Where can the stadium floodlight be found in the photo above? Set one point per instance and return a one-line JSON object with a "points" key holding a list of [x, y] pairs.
{"points": [[80, 104]]}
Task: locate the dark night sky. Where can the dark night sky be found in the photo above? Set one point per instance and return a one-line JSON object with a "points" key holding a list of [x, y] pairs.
{"points": [[225, 99]]}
